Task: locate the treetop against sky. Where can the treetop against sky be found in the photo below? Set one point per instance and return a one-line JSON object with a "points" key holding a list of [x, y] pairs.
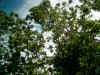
{"points": [[19, 6]]}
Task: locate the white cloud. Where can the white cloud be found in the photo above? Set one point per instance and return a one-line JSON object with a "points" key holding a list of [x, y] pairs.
{"points": [[54, 2], [23, 11], [96, 15]]}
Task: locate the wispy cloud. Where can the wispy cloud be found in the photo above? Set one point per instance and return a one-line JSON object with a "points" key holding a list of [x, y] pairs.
{"points": [[23, 11]]}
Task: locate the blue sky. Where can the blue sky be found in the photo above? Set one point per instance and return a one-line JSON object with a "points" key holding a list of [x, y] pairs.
{"points": [[11, 5], [19, 6]]}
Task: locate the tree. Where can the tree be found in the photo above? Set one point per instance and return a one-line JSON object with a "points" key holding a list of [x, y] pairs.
{"points": [[93, 4], [77, 50], [20, 46], [74, 36]]}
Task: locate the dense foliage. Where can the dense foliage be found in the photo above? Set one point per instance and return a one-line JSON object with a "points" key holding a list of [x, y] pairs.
{"points": [[20, 46], [22, 50]]}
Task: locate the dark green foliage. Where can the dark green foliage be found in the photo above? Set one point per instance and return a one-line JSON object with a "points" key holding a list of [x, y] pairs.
{"points": [[76, 47], [19, 46], [93, 4]]}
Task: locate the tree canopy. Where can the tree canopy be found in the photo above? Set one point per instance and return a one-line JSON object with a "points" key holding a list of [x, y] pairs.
{"points": [[77, 52]]}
